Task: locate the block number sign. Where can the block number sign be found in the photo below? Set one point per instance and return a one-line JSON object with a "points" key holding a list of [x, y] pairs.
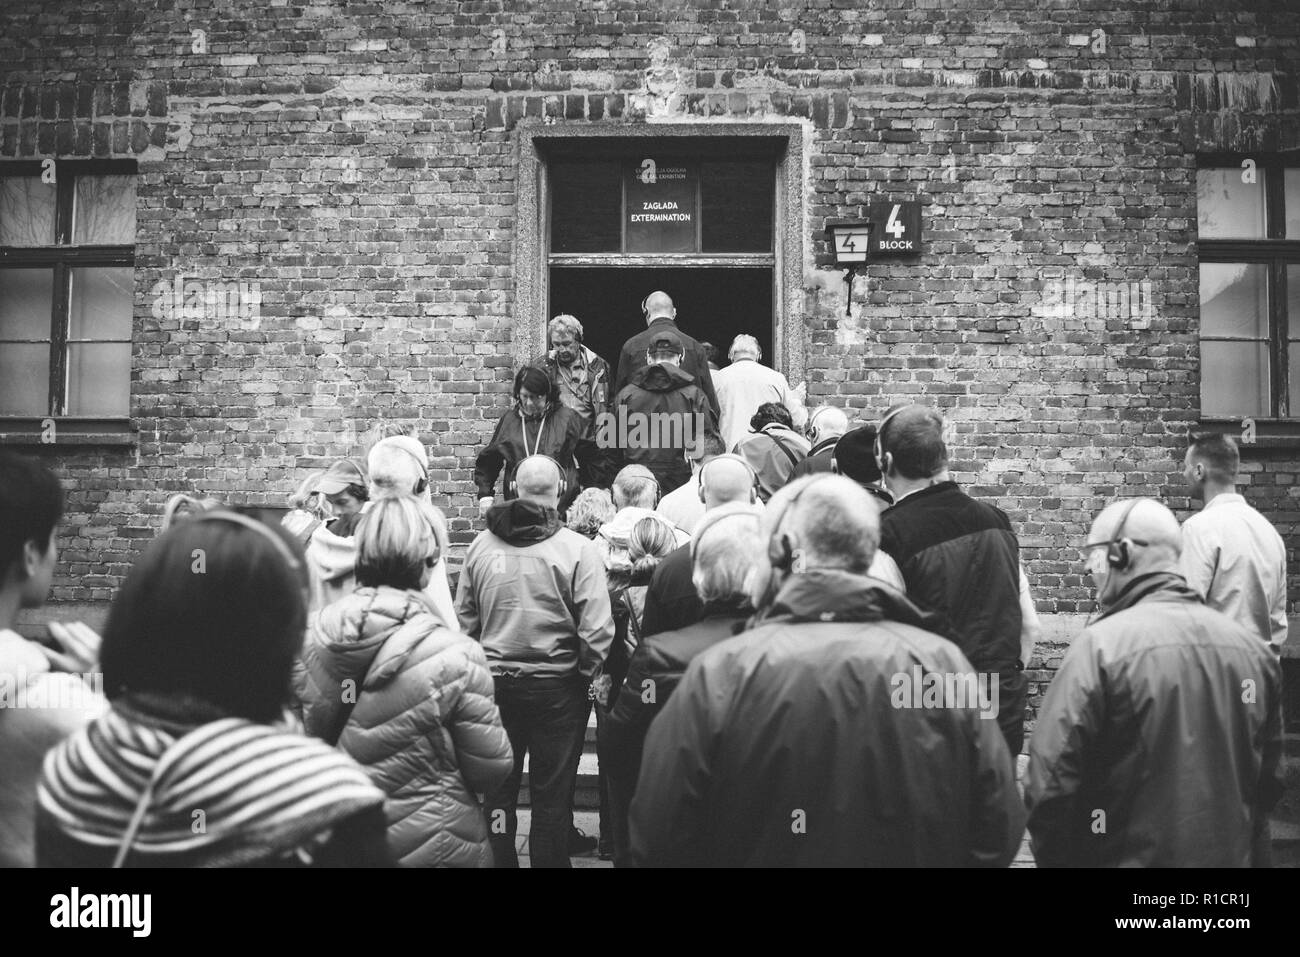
{"points": [[896, 229]]}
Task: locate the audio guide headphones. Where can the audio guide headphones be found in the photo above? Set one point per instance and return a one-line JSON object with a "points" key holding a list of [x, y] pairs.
{"points": [[753, 487], [780, 550], [235, 518], [880, 435], [423, 485], [512, 487], [1118, 556]]}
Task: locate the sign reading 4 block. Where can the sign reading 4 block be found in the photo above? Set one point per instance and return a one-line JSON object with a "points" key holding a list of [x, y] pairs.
{"points": [[895, 229]]}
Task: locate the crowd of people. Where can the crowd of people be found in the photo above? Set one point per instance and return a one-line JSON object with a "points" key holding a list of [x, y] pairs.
{"points": [[803, 642]]}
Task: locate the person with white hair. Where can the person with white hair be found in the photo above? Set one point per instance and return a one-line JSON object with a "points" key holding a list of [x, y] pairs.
{"points": [[396, 465], [745, 385], [583, 379], [802, 741], [1160, 741], [722, 557]]}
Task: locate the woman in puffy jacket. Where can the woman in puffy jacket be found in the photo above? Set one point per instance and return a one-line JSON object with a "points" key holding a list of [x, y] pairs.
{"points": [[407, 695]]}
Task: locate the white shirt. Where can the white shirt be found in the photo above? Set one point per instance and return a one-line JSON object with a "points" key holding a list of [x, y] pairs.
{"points": [[682, 506], [1236, 561], [745, 385]]}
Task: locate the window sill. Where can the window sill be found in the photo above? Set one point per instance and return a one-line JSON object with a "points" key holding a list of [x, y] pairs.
{"points": [[1269, 433], [56, 431]]}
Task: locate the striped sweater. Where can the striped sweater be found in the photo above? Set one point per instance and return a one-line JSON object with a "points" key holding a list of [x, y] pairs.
{"points": [[226, 793]]}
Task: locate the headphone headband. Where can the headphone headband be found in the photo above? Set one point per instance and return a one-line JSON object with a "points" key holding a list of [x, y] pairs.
{"points": [[512, 486], [780, 553], [237, 519], [880, 436], [731, 456]]}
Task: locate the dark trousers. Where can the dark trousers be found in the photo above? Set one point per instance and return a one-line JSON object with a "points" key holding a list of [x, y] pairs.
{"points": [[543, 718], [1012, 688]]}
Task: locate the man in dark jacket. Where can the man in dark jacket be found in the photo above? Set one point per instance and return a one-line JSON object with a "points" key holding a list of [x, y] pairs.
{"points": [[534, 594], [662, 416], [1160, 740], [660, 317], [955, 555], [825, 426], [671, 601], [805, 741], [724, 550], [582, 378]]}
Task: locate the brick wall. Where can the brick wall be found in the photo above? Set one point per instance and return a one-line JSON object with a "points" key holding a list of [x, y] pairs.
{"points": [[359, 165]]}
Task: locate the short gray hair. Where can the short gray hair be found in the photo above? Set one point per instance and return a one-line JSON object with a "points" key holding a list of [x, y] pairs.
{"points": [[744, 345], [725, 557], [835, 525], [635, 486], [564, 323]]}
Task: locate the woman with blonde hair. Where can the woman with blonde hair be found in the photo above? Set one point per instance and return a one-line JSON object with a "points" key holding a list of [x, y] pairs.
{"points": [[591, 509], [406, 694]]}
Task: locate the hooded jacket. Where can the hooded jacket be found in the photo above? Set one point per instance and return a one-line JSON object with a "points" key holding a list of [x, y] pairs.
{"points": [[332, 561], [695, 362], [533, 593], [424, 723], [1166, 716], [556, 434], [653, 391], [790, 745], [66, 704]]}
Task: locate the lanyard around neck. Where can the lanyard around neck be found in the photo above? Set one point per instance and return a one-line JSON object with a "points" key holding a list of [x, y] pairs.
{"points": [[537, 446]]}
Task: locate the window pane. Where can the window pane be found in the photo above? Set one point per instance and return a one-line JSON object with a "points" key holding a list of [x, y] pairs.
{"points": [[1227, 208], [105, 210], [1292, 201], [99, 378], [1234, 379], [26, 211], [101, 302], [586, 205], [736, 207], [1295, 379], [1234, 300], [26, 300], [1293, 300], [24, 378]]}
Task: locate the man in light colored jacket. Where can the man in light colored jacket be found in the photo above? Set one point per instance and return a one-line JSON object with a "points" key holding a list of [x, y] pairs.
{"points": [[745, 385], [534, 594], [1232, 557]]}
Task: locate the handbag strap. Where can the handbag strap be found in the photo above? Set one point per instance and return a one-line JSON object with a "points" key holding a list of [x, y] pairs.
{"points": [[794, 460]]}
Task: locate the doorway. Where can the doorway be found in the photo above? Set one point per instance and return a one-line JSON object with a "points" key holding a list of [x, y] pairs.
{"points": [[713, 304]]}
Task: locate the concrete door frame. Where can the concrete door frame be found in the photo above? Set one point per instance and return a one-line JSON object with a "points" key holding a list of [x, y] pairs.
{"points": [[791, 235]]}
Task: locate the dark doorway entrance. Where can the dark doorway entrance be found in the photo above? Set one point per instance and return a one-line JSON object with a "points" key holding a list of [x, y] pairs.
{"points": [[713, 305]]}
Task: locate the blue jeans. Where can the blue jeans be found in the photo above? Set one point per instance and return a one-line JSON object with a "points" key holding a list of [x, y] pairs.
{"points": [[545, 719]]}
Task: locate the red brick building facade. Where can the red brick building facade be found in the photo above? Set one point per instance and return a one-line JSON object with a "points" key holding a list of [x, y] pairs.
{"points": [[386, 181]]}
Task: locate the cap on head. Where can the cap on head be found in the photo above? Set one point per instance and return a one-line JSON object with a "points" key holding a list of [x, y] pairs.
{"points": [[855, 455], [666, 342], [340, 475]]}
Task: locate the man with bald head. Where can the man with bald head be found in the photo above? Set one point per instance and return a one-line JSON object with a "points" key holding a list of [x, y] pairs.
{"points": [[799, 742], [671, 601], [1160, 739], [661, 316], [825, 426], [533, 593]]}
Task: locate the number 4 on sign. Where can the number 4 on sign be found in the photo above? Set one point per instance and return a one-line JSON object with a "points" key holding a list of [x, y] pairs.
{"points": [[851, 245], [892, 225]]}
